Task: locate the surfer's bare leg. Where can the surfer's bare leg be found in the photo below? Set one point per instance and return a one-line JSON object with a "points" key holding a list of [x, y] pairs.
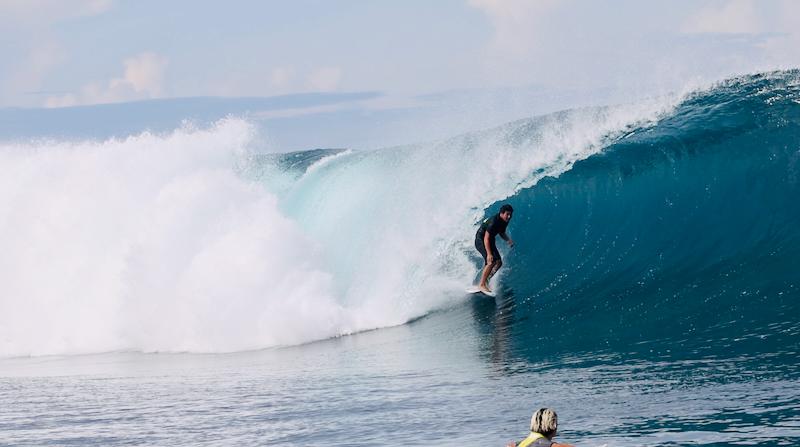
{"points": [[487, 274], [496, 267], [485, 277]]}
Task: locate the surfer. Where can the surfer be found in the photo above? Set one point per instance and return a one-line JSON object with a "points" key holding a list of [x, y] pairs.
{"points": [[484, 242], [544, 425]]}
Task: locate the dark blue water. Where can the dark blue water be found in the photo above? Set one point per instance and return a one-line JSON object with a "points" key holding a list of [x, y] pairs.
{"points": [[679, 238]]}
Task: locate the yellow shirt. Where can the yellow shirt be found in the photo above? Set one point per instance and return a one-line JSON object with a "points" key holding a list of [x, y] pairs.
{"points": [[531, 437]]}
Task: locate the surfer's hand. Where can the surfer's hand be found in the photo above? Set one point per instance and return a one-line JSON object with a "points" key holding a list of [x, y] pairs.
{"points": [[489, 259], [510, 243]]}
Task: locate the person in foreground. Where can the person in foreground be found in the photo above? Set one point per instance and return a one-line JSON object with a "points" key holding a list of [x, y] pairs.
{"points": [[544, 425], [484, 242]]}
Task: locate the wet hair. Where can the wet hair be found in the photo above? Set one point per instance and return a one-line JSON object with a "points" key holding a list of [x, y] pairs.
{"points": [[505, 208], [544, 421]]}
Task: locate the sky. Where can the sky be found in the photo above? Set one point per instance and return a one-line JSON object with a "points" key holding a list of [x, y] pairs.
{"points": [[59, 53]]}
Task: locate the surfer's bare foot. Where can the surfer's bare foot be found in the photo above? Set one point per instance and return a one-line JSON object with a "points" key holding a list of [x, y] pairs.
{"points": [[485, 289]]}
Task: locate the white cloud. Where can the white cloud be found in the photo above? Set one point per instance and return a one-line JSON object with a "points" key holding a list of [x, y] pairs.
{"points": [[31, 50], [40, 59], [67, 100], [325, 79], [737, 17], [143, 79], [281, 76], [517, 23], [145, 73], [287, 78], [775, 23]]}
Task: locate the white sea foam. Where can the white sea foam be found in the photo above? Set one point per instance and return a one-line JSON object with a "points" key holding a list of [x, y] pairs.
{"points": [[151, 243], [155, 243]]}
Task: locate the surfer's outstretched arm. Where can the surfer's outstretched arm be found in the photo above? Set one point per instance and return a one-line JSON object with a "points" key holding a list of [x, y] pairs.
{"points": [[507, 239]]}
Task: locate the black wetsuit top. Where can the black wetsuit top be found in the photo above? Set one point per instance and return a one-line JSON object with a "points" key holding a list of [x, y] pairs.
{"points": [[494, 225]]}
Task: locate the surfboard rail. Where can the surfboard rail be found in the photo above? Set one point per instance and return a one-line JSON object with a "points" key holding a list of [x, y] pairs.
{"points": [[475, 289]]}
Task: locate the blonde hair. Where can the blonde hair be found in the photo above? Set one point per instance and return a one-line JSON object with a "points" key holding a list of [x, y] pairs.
{"points": [[544, 421]]}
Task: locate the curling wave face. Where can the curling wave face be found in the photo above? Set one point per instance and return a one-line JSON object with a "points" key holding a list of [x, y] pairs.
{"points": [[678, 237]]}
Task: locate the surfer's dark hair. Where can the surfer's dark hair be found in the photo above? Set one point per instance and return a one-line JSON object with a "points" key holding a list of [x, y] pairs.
{"points": [[505, 208]]}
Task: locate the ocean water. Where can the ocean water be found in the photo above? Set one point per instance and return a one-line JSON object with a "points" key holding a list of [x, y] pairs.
{"points": [[187, 288]]}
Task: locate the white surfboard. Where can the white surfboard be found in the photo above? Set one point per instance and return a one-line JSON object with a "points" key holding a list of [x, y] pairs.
{"points": [[475, 289]]}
